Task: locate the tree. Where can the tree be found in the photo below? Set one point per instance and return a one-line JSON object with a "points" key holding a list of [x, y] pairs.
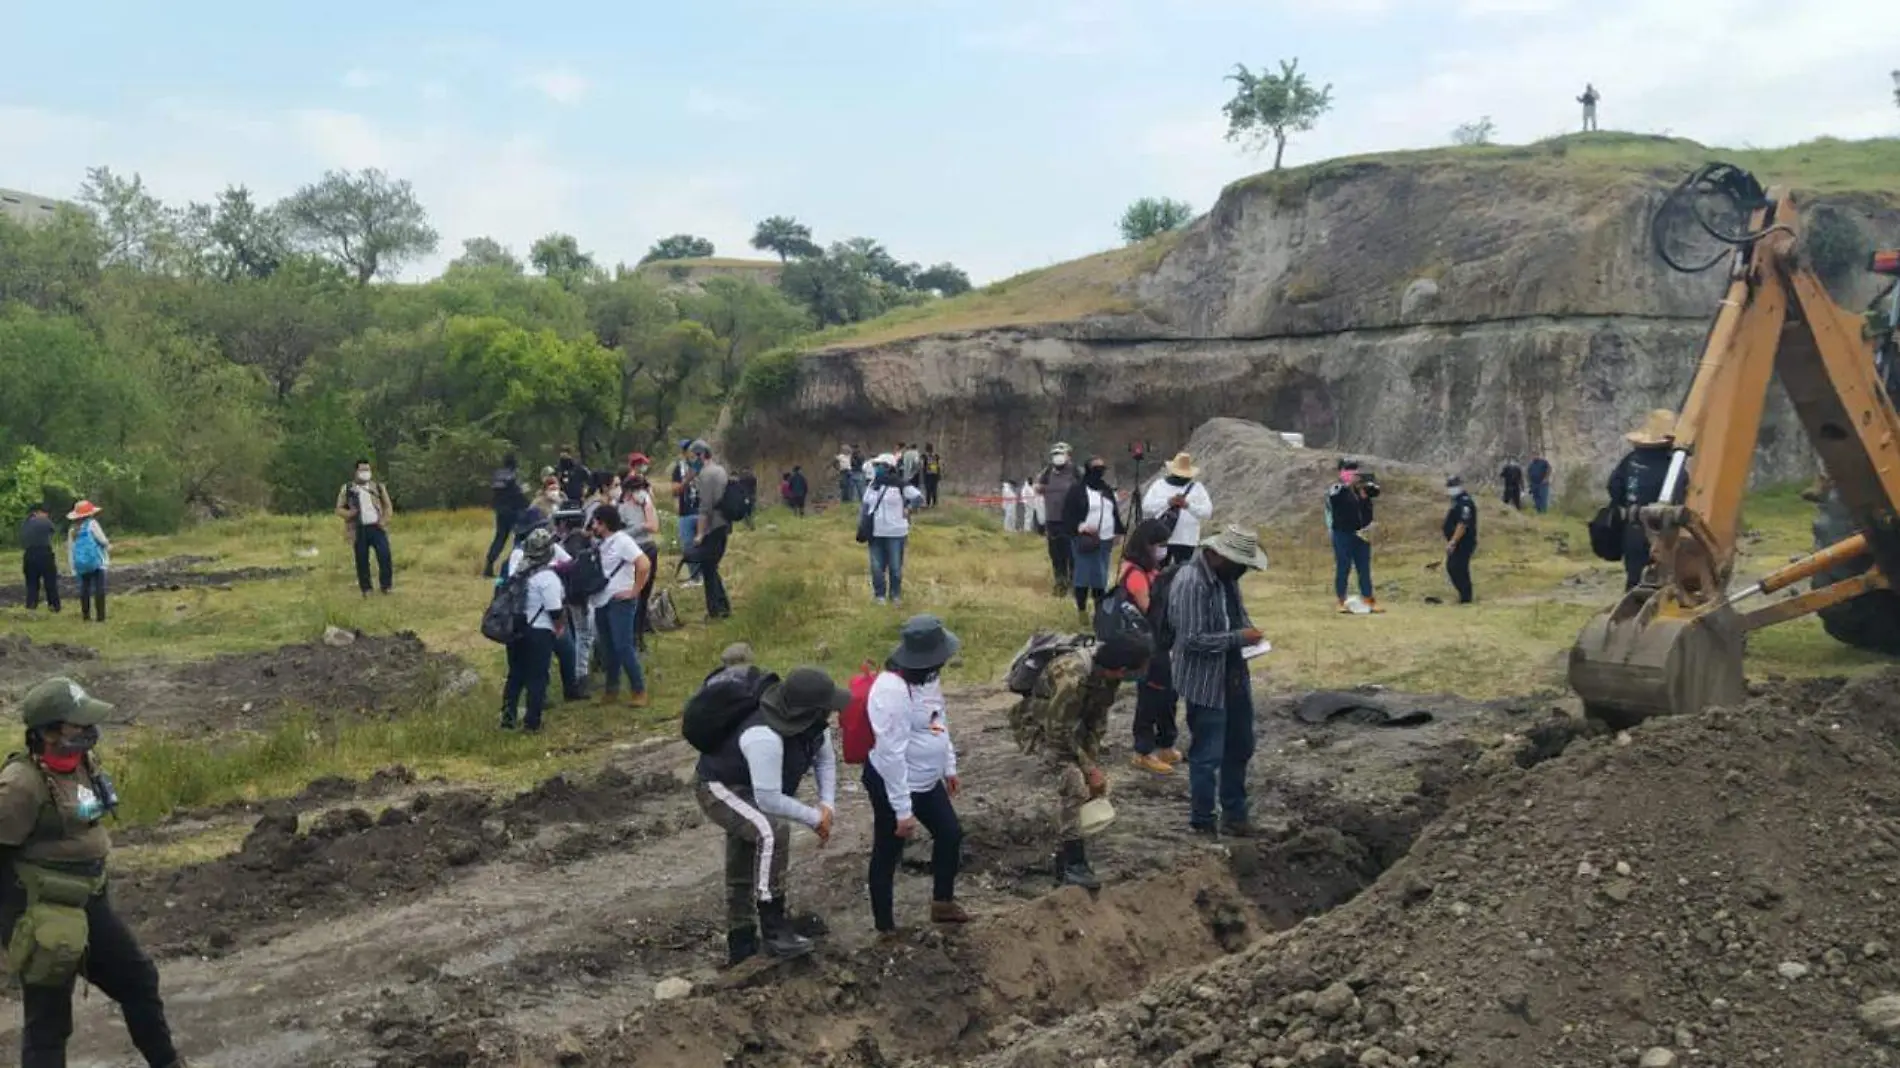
{"points": [[1268, 107], [367, 222], [748, 318], [485, 253], [559, 257], [1154, 215], [245, 241], [1475, 133], [679, 247], [945, 279], [787, 237], [834, 288], [139, 231], [277, 324]]}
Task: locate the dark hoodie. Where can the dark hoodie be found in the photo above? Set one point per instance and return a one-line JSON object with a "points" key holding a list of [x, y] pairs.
{"points": [[1075, 507]]}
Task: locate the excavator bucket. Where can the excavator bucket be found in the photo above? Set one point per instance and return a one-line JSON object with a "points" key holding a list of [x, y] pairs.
{"points": [[1631, 663]]}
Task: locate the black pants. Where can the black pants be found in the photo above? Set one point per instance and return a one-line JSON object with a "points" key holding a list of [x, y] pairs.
{"points": [[1061, 556], [41, 566], [932, 809], [529, 658], [116, 966], [1458, 569], [504, 526], [642, 619], [930, 490], [711, 552], [1514, 496], [1180, 554], [797, 505], [367, 538], [92, 594], [1155, 723], [1635, 554]]}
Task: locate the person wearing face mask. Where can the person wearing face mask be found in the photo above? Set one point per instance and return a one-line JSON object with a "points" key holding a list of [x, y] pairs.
{"points": [[1144, 557], [53, 849], [1052, 487], [365, 508], [1211, 628], [911, 776], [1179, 499], [574, 476], [508, 501], [1349, 519], [641, 520], [1461, 537], [1091, 513], [889, 503]]}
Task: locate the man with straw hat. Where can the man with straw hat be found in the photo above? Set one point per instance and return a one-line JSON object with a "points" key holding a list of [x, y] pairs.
{"points": [[1211, 629], [1181, 503], [1637, 481]]}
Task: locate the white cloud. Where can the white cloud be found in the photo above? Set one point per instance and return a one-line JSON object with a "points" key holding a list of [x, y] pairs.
{"points": [[558, 84], [708, 104], [363, 78]]}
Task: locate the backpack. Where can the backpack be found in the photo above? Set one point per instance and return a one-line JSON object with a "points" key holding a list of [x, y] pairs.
{"points": [[86, 555], [1158, 585], [1607, 531], [723, 702], [1118, 618], [506, 617], [867, 516], [854, 723], [1171, 517], [585, 576], [662, 613], [734, 502], [1035, 655]]}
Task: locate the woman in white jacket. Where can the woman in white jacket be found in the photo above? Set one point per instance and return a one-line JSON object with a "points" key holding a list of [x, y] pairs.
{"points": [[911, 777]]}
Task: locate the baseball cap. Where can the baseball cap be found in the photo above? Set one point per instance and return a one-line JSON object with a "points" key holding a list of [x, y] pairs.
{"points": [[61, 700]]}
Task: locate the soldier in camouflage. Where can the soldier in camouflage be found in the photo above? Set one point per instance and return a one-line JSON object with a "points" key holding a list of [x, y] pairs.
{"points": [[1065, 717]]}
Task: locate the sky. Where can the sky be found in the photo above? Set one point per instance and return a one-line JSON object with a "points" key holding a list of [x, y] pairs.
{"points": [[1000, 135]]}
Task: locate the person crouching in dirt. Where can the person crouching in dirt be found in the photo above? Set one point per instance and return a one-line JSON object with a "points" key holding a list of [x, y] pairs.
{"points": [[1065, 716], [53, 848], [746, 786], [911, 776]]}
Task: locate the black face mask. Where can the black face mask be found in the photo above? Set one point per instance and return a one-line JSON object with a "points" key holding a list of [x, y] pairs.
{"points": [[1096, 477]]}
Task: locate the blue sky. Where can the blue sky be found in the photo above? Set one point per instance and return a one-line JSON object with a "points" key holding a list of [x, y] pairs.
{"points": [[999, 135]]}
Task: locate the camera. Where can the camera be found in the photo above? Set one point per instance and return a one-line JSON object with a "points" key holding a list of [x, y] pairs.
{"points": [[1138, 449]]}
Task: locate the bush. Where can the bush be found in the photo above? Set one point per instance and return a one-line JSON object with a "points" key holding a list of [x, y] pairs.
{"points": [[322, 442], [450, 469], [770, 378]]}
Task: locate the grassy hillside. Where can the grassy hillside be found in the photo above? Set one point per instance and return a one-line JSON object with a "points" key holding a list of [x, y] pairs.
{"points": [[1095, 285]]}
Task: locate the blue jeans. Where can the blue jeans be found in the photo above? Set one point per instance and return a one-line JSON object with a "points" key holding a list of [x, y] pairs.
{"points": [[1351, 551], [887, 562], [845, 485], [368, 539], [1220, 745], [1540, 496], [689, 529], [614, 631]]}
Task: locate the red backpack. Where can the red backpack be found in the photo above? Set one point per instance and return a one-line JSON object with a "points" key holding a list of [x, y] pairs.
{"points": [[855, 721]]}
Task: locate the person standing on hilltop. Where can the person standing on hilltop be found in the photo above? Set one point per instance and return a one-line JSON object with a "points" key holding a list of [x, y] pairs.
{"points": [[1053, 486], [1539, 473], [1513, 479], [1589, 101], [1180, 502], [1638, 480], [1349, 518], [1461, 537]]}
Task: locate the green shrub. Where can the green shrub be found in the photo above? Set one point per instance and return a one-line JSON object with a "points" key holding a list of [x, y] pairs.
{"points": [[449, 470], [771, 378], [322, 442]]}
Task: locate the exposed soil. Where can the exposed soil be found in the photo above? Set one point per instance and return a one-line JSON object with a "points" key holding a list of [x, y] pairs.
{"points": [[153, 576]]}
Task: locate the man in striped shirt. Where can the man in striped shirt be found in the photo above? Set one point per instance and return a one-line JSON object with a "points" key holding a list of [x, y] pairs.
{"points": [[1211, 627]]}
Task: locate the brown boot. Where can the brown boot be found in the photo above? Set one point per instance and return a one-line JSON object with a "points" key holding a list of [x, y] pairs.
{"points": [[948, 912], [1372, 605], [637, 700], [1152, 762], [1171, 755]]}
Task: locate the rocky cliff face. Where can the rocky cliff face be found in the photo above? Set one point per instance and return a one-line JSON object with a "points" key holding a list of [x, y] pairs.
{"points": [[1445, 315]]}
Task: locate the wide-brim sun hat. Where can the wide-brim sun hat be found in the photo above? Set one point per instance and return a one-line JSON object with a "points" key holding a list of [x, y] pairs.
{"points": [[83, 510], [1182, 466], [1240, 546], [924, 643], [804, 699], [1659, 428]]}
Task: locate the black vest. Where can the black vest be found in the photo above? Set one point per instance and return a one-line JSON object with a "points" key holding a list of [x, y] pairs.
{"points": [[727, 765]]}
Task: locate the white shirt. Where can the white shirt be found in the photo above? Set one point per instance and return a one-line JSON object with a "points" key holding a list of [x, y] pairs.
{"points": [[764, 751], [888, 506], [844, 462], [619, 558], [1187, 526], [366, 511], [514, 558], [913, 752], [1100, 519], [1032, 505], [545, 599]]}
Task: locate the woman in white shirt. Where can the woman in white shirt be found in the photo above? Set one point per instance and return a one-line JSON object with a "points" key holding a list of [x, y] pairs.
{"points": [[889, 503], [628, 570], [911, 776], [1030, 519], [1011, 508], [532, 651]]}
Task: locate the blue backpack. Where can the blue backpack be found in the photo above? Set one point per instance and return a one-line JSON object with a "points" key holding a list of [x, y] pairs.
{"points": [[86, 555]]}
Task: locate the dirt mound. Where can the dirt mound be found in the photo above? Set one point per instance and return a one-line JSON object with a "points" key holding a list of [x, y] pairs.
{"points": [[170, 573], [376, 675], [1706, 890], [1256, 477], [350, 857]]}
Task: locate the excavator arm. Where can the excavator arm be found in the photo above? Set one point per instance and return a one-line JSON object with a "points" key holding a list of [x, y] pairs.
{"points": [[1675, 643]]}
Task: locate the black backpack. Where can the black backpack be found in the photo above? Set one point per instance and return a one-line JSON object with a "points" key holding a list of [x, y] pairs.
{"points": [[734, 503], [727, 697], [1158, 587], [1036, 654], [506, 617], [585, 576], [1607, 531]]}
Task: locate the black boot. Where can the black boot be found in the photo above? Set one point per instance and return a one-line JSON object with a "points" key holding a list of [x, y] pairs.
{"points": [[780, 940], [1074, 861], [741, 945]]}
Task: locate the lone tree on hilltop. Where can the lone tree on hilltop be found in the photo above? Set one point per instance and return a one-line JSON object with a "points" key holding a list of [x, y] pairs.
{"points": [[679, 247], [1475, 133], [366, 222], [787, 237], [1154, 215], [1269, 106]]}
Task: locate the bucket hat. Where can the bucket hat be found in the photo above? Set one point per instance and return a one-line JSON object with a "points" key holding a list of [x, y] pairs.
{"points": [[923, 643], [804, 699]]}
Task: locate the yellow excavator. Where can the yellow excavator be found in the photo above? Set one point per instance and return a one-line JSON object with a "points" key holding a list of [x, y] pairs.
{"points": [[1675, 643]]}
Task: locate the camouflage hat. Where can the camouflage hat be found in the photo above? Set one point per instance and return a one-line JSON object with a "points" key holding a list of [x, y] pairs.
{"points": [[538, 547], [61, 700]]}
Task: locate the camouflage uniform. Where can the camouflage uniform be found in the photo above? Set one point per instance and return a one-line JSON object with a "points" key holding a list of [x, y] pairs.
{"points": [[1066, 717]]}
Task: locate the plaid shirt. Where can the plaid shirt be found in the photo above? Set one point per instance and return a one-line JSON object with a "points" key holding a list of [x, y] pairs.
{"points": [[1206, 636]]}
